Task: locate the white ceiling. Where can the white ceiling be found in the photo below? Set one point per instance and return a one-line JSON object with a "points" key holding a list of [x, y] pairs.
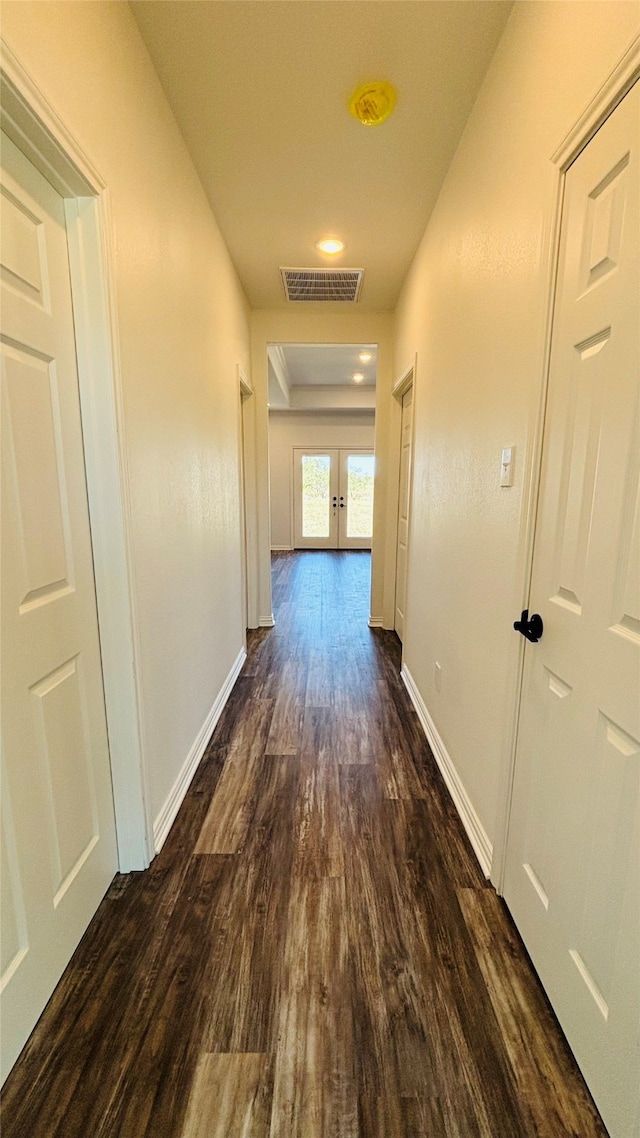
{"points": [[329, 364], [322, 372], [260, 90]]}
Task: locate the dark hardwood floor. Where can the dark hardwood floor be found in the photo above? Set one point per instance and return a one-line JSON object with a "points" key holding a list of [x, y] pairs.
{"points": [[315, 952]]}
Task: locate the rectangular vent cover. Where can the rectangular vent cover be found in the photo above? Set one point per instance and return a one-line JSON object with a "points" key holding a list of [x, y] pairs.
{"points": [[322, 284]]}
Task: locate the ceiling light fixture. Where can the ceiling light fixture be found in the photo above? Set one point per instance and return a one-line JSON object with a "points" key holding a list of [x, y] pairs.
{"points": [[372, 103], [358, 377], [365, 357], [330, 245]]}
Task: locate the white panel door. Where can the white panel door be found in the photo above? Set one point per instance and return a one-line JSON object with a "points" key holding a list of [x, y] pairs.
{"points": [[573, 863], [333, 498], [315, 498], [58, 831], [403, 510], [355, 499]]}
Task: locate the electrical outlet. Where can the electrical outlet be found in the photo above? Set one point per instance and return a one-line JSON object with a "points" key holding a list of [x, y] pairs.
{"points": [[438, 676]]}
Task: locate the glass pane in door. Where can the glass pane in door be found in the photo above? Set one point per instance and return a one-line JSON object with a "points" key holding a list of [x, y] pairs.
{"points": [[360, 469], [316, 473]]}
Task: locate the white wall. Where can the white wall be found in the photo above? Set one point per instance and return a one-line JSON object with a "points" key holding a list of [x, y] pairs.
{"points": [[183, 325], [289, 429], [474, 309]]}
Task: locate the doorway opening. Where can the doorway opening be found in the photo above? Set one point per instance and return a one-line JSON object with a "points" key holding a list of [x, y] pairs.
{"points": [[321, 445]]}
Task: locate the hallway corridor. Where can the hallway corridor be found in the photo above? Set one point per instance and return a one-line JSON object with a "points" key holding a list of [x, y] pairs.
{"points": [[314, 952]]}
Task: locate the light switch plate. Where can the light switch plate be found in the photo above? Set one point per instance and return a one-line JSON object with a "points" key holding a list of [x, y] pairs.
{"points": [[506, 470]]}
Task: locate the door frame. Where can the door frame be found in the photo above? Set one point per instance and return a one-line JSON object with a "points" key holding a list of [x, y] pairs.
{"points": [[406, 378], [405, 383], [604, 102], [35, 127], [245, 392]]}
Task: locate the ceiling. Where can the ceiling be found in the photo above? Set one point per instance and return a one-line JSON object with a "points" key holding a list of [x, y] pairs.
{"points": [[322, 372], [260, 90], [329, 364]]}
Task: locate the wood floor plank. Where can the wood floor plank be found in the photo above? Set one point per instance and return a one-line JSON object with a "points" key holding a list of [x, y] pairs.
{"points": [[149, 1094], [538, 1053], [285, 734], [319, 851], [243, 983], [225, 827], [320, 681], [314, 1094], [230, 1098], [315, 952]]}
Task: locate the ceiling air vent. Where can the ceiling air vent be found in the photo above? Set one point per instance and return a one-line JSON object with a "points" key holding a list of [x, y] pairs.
{"points": [[322, 284]]}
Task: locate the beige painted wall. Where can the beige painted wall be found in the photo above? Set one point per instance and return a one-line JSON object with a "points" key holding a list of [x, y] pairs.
{"points": [[318, 328], [289, 429], [474, 309], [183, 330]]}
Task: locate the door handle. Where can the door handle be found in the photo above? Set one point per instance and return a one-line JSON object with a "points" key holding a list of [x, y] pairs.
{"points": [[529, 626]]}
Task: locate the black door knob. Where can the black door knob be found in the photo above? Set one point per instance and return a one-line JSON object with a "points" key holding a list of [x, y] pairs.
{"points": [[531, 627]]}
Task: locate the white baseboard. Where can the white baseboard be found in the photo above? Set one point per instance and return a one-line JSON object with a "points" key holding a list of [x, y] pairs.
{"points": [[475, 830], [374, 622], [281, 548], [266, 621], [173, 802]]}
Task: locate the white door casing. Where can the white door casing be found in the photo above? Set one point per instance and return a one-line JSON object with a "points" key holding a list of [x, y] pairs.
{"points": [[334, 509], [573, 857], [245, 393], [403, 510], [58, 830], [33, 124]]}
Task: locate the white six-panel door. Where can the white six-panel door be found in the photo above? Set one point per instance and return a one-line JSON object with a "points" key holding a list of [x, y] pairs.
{"points": [[573, 864], [58, 832]]}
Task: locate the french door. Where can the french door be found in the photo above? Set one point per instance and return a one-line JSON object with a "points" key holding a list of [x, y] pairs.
{"points": [[333, 498]]}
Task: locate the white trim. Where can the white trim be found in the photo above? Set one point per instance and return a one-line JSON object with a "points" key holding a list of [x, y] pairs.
{"points": [[406, 379], [281, 548], [612, 91], [278, 361], [39, 132], [475, 830], [610, 94], [246, 390], [404, 382], [266, 621], [33, 124], [375, 622], [111, 523], [174, 800]]}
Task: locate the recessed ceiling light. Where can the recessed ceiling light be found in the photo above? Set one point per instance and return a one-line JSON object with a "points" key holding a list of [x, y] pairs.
{"points": [[365, 357], [330, 245], [358, 377]]}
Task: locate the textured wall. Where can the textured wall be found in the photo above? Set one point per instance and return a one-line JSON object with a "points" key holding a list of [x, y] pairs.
{"points": [[474, 309]]}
